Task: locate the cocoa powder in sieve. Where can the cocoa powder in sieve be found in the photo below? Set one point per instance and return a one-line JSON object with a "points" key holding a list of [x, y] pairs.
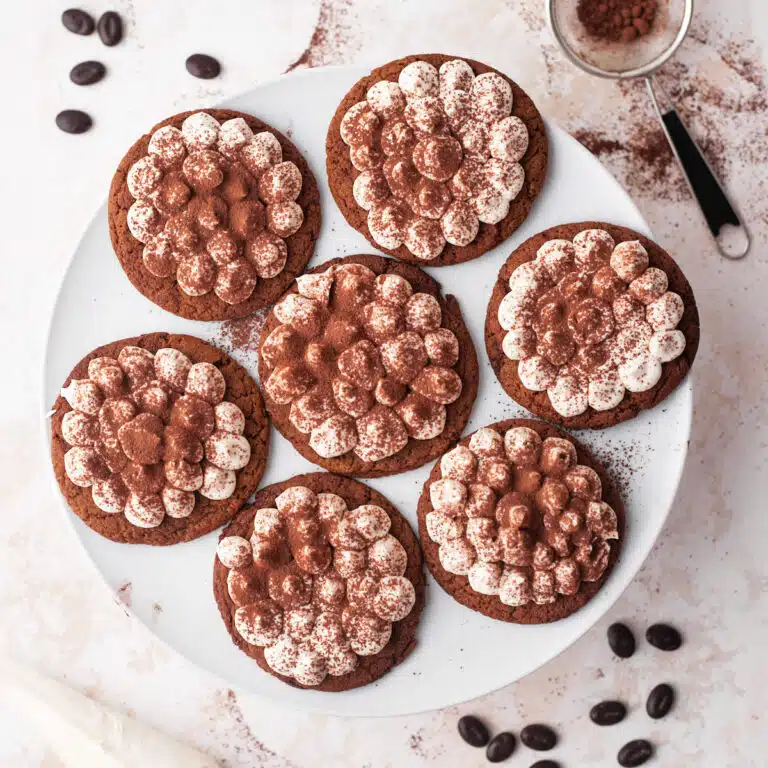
{"points": [[618, 20]]}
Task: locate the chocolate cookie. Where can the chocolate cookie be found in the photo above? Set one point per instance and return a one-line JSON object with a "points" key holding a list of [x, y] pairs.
{"points": [[589, 324], [366, 368], [158, 439], [520, 523], [320, 581], [213, 213], [435, 159]]}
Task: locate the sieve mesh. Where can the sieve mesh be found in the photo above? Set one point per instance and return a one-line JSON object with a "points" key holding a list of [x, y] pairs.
{"points": [[615, 59]]}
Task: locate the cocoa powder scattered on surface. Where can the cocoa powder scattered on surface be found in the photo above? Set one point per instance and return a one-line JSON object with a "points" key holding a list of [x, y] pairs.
{"points": [[648, 155], [230, 729], [598, 143], [125, 594], [415, 741], [331, 38], [718, 85], [653, 150], [618, 20], [622, 459], [242, 335]]}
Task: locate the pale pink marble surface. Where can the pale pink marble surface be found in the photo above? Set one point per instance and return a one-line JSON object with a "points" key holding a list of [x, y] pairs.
{"points": [[708, 573]]}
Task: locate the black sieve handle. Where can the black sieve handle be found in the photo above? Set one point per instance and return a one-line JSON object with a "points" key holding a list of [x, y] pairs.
{"points": [[728, 231]]}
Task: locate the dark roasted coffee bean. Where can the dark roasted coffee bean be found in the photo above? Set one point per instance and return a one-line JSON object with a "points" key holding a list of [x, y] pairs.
{"points": [[539, 737], [660, 701], [663, 637], [621, 640], [546, 764], [110, 28], [635, 753], [203, 66], [608, 713], [77, 21], [473, 731], [501, 747], [87, 72], [73, 121]]}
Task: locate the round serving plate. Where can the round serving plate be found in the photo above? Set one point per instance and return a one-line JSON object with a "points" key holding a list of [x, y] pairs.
{"points": [[460, 654]]}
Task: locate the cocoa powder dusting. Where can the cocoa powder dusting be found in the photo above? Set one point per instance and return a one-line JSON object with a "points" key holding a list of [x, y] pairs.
{"points": [[646, 152], [653, 150], [622, 460], [331, 40], [416, 743], [234, 736], [598, 144], [242, 335], [125, 594]]}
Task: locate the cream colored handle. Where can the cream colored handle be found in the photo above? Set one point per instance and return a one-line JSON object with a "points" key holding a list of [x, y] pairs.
{"points": [[85, 734]]}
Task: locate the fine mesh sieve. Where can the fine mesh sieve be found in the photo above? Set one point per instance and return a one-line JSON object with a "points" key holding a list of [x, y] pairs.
{"points": [[642, 58]]}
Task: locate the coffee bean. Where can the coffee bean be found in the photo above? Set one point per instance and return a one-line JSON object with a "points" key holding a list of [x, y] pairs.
{"points": [[608, 713], [203, 66], [621, 640], [501, 747], [473, 731], [73, 121], [663, 637], [660, 701], [77, 21], [539, 737], [87, 72], [110, 28], [546, 764], [635, 753]]}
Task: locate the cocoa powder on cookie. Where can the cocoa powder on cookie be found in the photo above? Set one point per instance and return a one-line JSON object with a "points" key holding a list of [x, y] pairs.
{"points": [[213, 213], [320, 581], [558, 358], [436, 180], [158, 439], [366, 368], [520, 523]]}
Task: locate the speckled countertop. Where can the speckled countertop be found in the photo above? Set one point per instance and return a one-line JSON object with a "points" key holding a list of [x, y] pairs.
{"points": [[709, 572]]}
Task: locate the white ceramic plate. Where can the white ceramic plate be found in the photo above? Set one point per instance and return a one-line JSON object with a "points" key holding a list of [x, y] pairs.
{"points": [[460, 655]]}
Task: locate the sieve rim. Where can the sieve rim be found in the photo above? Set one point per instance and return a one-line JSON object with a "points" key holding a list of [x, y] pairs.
{"points": [[645, 71]]}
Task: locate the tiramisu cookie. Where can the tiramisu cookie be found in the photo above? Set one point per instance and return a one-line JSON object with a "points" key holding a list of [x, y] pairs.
{"points": [[589, 324], [519, 523], [213, 213], [320, 581], [435, 159], [158, 439], [366, 368]]}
